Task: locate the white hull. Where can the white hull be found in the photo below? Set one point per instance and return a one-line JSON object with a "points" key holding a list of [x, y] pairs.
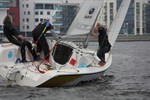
{"points": [[85, 67], [71, 64]]}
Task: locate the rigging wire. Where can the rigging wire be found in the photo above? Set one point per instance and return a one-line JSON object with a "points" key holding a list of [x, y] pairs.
{"points": [[57, 42]]}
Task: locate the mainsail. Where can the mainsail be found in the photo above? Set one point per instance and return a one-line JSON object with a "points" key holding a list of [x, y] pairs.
{"points": [[115, 27], [85, 18]]}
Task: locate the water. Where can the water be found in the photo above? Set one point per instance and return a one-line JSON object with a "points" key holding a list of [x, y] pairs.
{"points": [[127, 79]]}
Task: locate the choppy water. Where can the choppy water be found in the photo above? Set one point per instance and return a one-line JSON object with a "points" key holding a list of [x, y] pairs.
{"points": [[127, 79]]}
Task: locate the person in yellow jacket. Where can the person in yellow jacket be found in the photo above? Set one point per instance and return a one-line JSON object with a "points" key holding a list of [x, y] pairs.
{"points": [[39, 38]]}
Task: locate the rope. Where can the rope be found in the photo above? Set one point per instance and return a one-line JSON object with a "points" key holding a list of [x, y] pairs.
{"points": [[48, 54]]}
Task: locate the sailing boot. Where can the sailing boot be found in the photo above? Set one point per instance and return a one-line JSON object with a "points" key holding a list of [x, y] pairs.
{"points": [[102, 63], [23, 55], [35, 57]]}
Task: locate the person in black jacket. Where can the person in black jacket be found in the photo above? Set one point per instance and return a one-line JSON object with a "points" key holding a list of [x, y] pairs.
{"points": [[104, 45], [39, 38], [14, 37]]}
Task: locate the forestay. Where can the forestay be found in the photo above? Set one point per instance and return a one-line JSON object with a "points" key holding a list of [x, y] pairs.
{"points": [[85, 18]]}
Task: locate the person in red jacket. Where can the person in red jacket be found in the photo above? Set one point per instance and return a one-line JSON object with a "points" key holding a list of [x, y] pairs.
{"points": [[14, 37]]}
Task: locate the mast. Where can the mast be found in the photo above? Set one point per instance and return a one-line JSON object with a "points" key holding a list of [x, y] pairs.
{"points": [[85, 44]]}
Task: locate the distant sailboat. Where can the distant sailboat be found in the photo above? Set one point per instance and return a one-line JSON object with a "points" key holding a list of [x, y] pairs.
{"points": [[71, 64]]}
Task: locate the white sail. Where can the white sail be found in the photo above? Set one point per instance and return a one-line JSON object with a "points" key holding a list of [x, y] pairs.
{"points": [[116, 25], [85, 18]]}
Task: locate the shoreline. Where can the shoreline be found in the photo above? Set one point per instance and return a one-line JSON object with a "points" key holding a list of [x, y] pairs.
{"points": [[120, 38]]}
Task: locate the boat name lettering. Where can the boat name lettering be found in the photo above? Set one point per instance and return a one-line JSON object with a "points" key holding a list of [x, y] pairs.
{"points": [[88, 16]]}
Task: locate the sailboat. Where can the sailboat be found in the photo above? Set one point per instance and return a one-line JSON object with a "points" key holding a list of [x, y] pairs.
{"points": [[72, 64]]}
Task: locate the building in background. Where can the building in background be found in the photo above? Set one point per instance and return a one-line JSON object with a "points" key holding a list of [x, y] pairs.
{"points": [[69, 12], [32, 12], [14, 12], [137, 20], [142, 17], [27, 14], [108, 12], [5, 6]]}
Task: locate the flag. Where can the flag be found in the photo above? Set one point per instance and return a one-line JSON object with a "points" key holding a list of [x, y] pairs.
{"points": [[73, 61]]}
